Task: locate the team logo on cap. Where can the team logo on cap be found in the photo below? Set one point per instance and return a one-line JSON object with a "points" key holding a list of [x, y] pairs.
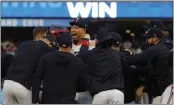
{"points": [[77, 19]]}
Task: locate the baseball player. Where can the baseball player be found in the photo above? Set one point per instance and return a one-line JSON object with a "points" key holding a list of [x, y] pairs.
{"points": [[157, 79], [62, 74], [105, 75], [166, 39], [82, 43], [18, 82], [131, 73], [81, 39], [128, 72], [169, 43], [167, 96]]}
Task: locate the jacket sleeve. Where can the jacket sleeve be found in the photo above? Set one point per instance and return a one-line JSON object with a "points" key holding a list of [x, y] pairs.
{"points": [[81, 82], [6, 62], [37, 81], [170, 59], [144, 56]]}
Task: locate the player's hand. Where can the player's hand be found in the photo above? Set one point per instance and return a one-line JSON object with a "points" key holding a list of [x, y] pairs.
{"points": [[139, 93], [128, 50], [87, 36]]}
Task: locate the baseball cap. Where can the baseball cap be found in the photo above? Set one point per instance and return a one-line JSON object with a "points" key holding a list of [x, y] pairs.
{"points": [[83, 23], [155, 32], [103, 35], [117, 39], [52, 40], [155, 23], [65, 40]]}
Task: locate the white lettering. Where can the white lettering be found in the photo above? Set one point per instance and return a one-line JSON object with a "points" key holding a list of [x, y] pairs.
{"points": [[24, 22], [111, 11], [79, 8], [30, 22], [14, 22], [33, 22], [9, 22], [37, 22], [96, 9], [3, 22], [41, 22]]}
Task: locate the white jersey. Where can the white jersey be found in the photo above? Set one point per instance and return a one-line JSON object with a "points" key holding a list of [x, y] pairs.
{"points": [[76, 48]]}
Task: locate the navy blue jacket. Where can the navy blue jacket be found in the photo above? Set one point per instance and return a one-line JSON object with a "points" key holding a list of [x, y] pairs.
{"points": [[6, 60], [157, 79], [25, 62], [62, 74], [104, 70]]}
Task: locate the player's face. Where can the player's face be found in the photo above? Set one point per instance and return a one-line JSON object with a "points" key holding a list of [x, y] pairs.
{"points": [[40, 35], [11, 47], [77, 32]]}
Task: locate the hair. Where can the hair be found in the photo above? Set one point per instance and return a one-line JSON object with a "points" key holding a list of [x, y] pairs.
{"points": [[38, 30]]}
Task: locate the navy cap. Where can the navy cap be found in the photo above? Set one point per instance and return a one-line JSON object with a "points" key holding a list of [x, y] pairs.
{"points": [[83, 23], [65, 40], [103, 35], [155, 23], [155, 32], [117, 39], [52, 40]]}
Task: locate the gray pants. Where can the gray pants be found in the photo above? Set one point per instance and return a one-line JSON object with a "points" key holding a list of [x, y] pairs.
{"points": [[15, 93], [109, 97], [144, 99], [167, 96], [84, 98]]}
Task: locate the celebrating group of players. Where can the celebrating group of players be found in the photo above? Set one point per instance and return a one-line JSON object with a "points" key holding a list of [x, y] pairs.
{"points": [[78, 68]]}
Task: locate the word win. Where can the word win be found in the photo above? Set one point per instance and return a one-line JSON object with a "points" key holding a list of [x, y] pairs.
{"points": [[92, 9]]}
